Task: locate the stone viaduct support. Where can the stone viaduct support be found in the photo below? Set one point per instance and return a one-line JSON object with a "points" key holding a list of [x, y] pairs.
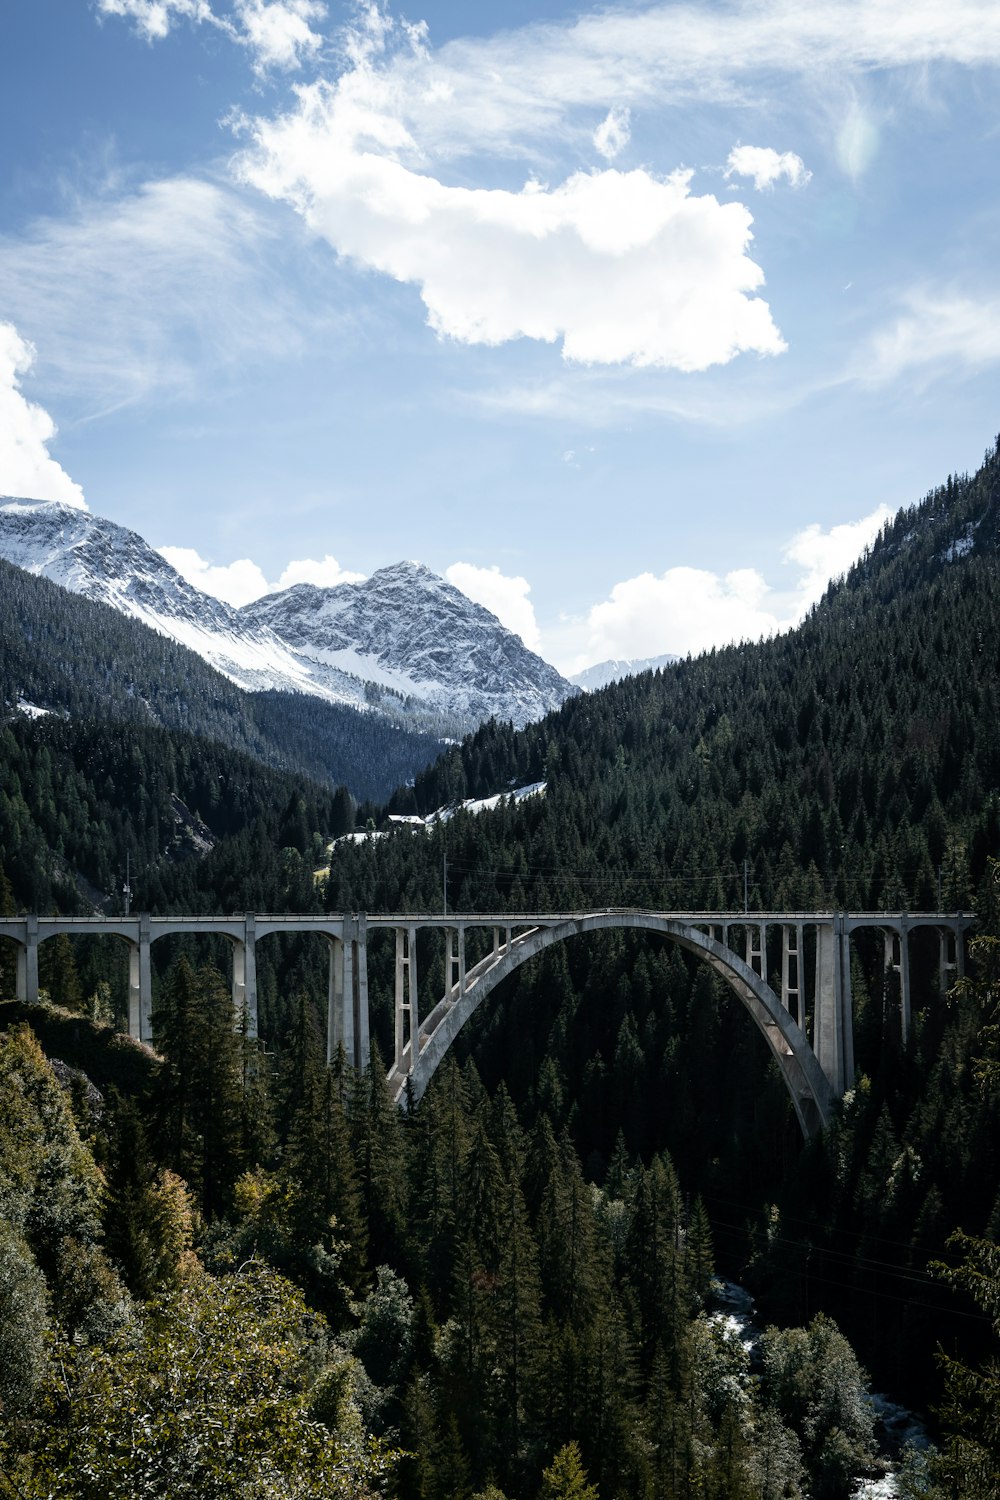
{"points": [[792, 971], [347, 1002]]}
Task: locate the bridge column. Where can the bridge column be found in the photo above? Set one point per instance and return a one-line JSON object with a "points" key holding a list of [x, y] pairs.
{"points": [[347, 1003], [339, 1020], [791, 971], [846, 1000], [946, 962], [756, 949], [407, 1010], [245, 975], [454, 981], [904, 979], [897, 959], [952, 954], [27, 963], [360, 993], [140, 986], [834, 1021]]}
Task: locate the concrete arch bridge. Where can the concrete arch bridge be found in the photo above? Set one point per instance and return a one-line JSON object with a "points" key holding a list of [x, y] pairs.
{"points": [[791, 970]]}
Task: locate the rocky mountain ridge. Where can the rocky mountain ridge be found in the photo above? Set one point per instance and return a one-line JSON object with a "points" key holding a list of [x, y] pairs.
{"points": [[404, 642]]}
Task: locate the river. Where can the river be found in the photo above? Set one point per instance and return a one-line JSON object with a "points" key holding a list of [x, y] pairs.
{"points": [[896, 1427]]}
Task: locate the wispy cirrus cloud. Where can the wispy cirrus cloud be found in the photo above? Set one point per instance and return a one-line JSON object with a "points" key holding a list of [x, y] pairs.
{"points": [[934, 331], [153, 19], [512, 93], [157, 291], [278, 33]]}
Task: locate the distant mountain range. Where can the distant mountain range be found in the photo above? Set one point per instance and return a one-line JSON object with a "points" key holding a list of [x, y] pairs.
{"points": [[599, 675], [404, 642]]}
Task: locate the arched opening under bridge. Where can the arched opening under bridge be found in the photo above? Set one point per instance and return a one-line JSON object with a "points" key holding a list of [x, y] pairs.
{"points": [[809, 1089]]}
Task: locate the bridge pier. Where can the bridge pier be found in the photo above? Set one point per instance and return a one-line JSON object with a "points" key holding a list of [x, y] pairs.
{"points": [[897, 961], [140, 985], [791, 972], [834, 1017], [27, 963], [245, 976], [951, 962], [347, 995], [407, 1013], [756, 949], [454, 982]]}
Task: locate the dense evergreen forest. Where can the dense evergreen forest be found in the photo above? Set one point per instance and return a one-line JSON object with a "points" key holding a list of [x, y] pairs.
{"points": [[228, 1270]]}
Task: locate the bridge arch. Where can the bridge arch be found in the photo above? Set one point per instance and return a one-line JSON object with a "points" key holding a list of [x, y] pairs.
{"points": [[811, 1093]]}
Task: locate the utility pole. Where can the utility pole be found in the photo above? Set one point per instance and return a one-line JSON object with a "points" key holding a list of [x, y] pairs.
{"points": [[444, 883], [127, 887], [940, 908], [746, 887]]}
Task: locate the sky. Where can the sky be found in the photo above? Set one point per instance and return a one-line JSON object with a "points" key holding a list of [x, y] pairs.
{"points": [[635, 321]]}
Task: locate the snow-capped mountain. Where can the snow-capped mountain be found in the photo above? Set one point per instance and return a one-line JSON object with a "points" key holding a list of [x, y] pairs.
{"points": [[112, 565], [414, 634], [405, 642], [598, 676]]}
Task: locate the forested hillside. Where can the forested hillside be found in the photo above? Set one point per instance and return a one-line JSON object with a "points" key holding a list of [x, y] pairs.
{"points": [[512, 1283], [68, 655], [854, 762], [845, 761], [79, 798]]}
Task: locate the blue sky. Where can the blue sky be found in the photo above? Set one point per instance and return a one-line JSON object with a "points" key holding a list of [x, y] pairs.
{"points": [[635, 321]]}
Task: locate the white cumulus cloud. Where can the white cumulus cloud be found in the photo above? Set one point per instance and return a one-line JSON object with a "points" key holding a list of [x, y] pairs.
{"points": [[693, 609], [26, 467], [236, 582], [614, 133], [622, 267], [325, 572], [766, 166], [682, 610], [828, 554], [242, 581], [503, 596]]}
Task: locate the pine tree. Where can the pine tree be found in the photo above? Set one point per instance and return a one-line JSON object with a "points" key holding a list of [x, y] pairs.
{"points": [[566, 1478]]}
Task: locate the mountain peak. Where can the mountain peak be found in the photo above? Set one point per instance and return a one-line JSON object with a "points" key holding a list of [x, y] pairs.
{"points": [[418, 636], [404, 642]]}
